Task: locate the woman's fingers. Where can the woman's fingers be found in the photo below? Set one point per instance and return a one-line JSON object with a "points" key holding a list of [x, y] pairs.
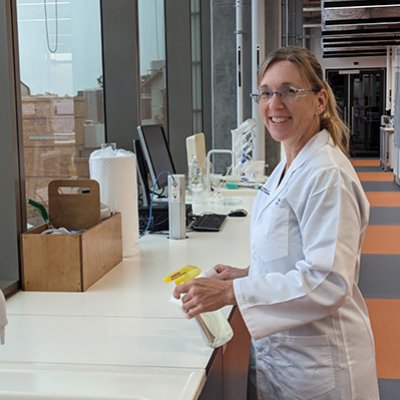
{"points": [[204, 295]]}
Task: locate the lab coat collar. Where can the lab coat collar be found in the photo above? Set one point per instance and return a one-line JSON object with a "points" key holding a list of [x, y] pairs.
{"points": [[273, 188], [317, 141]]}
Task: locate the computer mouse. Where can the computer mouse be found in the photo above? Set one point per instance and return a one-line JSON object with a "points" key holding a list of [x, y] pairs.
{"points": [[240, 212]]}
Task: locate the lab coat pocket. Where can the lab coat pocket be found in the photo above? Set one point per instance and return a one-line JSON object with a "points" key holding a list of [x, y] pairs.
{"points": [[304, 365], [272, 235]]}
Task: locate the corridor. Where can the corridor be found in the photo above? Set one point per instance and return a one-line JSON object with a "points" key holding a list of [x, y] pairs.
{"points": [[380, 271]]}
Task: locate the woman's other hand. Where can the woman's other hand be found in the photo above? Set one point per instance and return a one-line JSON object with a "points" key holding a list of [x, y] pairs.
{"points": [[226, 272]]}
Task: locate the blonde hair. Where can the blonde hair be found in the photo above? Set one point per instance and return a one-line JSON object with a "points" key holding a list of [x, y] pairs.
{"points": [[311, 69]]}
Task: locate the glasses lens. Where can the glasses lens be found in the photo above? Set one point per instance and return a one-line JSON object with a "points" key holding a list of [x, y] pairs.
{"points": [[289, 94], [266, 96]]}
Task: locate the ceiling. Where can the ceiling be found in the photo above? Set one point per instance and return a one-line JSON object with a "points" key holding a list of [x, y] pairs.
{"points": [[359, 27]]}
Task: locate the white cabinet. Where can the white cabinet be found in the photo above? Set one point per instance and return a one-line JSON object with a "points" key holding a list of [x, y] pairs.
{"points": [[386, 148]]}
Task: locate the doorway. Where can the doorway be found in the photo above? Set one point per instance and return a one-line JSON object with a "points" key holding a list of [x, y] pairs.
{"points": [[360, 96]]}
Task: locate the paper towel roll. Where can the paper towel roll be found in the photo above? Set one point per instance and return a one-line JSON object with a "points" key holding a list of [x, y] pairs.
{"points": [[115, 170]]}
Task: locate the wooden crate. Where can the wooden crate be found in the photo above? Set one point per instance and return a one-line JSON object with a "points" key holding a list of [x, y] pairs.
{"points": [[71, 263]]}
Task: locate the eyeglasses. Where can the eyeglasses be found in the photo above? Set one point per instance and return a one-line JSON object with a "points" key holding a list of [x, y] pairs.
{"points": [[288, 94]]}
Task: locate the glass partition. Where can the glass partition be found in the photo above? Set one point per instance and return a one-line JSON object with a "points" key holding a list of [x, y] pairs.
{"points": [[153, 87], [61, 91], [196, 66]]}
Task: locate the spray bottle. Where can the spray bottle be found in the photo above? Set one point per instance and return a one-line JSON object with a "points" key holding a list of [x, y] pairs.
{"points": [[215, 328]]}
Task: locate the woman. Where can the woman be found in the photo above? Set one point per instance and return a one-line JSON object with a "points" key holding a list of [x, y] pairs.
{"points": [[311, 335]]}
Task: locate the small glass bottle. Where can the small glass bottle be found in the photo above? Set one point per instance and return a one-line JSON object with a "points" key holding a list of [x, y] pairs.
{"points": [[214, 327]]}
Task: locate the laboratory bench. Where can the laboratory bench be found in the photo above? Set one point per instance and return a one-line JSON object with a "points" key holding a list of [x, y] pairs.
{"points": [[123, 338]]}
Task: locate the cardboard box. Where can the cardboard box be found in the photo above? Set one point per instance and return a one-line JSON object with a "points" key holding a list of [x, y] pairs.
{"points": [[71, 263]]}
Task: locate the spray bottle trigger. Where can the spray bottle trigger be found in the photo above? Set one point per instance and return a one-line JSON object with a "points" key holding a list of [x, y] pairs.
{"points": [[183, 274]]}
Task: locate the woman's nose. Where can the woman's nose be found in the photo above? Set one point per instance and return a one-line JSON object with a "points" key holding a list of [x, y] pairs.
{"points": [[276, 100]]}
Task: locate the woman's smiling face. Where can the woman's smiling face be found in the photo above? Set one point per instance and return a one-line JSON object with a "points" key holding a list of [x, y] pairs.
{"points": [[291, 121]]}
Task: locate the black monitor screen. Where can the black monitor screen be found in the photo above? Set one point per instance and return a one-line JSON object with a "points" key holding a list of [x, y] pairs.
{"points": [[142, 173], [157, 154]]}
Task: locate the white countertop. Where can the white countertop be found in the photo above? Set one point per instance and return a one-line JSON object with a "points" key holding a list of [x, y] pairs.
{"points": [[23, 381], [122, 338]]}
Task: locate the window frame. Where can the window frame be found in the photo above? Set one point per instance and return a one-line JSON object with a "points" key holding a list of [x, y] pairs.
{"points": [[11, 179]]}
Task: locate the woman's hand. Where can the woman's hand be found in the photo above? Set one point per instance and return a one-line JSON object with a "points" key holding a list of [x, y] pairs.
{"points": [[204, 294], [226, 272]]}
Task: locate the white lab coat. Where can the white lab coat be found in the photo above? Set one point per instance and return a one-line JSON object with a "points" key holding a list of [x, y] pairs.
{"points": [[311, 333]]}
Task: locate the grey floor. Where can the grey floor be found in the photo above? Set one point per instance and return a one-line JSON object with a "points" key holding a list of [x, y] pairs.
{"points": [[369, 169], [384, 216], [379, 277], [375, 186], [389, 389]]}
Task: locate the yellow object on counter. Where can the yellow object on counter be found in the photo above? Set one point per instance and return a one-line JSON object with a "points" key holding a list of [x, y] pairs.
{"points": [[183, 274]]}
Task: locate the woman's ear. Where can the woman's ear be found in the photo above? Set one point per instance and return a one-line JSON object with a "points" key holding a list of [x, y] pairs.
{"points": [[322, 101]]}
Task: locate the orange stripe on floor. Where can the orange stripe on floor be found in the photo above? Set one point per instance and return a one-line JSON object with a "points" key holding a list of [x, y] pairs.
{"points": [[376, 176], [384, 199], [366, 163], [384, 315], [382, 239]]}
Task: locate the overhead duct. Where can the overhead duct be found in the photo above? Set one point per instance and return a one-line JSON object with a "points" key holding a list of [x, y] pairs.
{"points": [[359, 27]]}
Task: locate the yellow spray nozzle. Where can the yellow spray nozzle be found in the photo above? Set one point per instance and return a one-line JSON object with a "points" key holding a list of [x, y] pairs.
{"points": [[183, 274]]}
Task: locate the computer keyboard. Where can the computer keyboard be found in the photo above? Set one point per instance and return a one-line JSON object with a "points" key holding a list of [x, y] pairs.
{"points": [[208, 222]]}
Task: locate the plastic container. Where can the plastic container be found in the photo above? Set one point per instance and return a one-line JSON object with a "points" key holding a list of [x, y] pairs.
{"points": [[214, 327]]}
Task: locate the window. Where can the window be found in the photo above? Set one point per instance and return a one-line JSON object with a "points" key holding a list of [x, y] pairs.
{"points": [[153, 91], [196, 66], [61, 91]]}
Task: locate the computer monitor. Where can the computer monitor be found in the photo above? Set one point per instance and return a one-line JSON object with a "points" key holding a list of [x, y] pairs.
{"points": [[142, 174], [157, 154]]}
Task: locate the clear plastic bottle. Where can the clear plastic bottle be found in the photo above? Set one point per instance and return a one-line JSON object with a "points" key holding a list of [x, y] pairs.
{"points": [[214, 327], [196, 185], [195, 176]]}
